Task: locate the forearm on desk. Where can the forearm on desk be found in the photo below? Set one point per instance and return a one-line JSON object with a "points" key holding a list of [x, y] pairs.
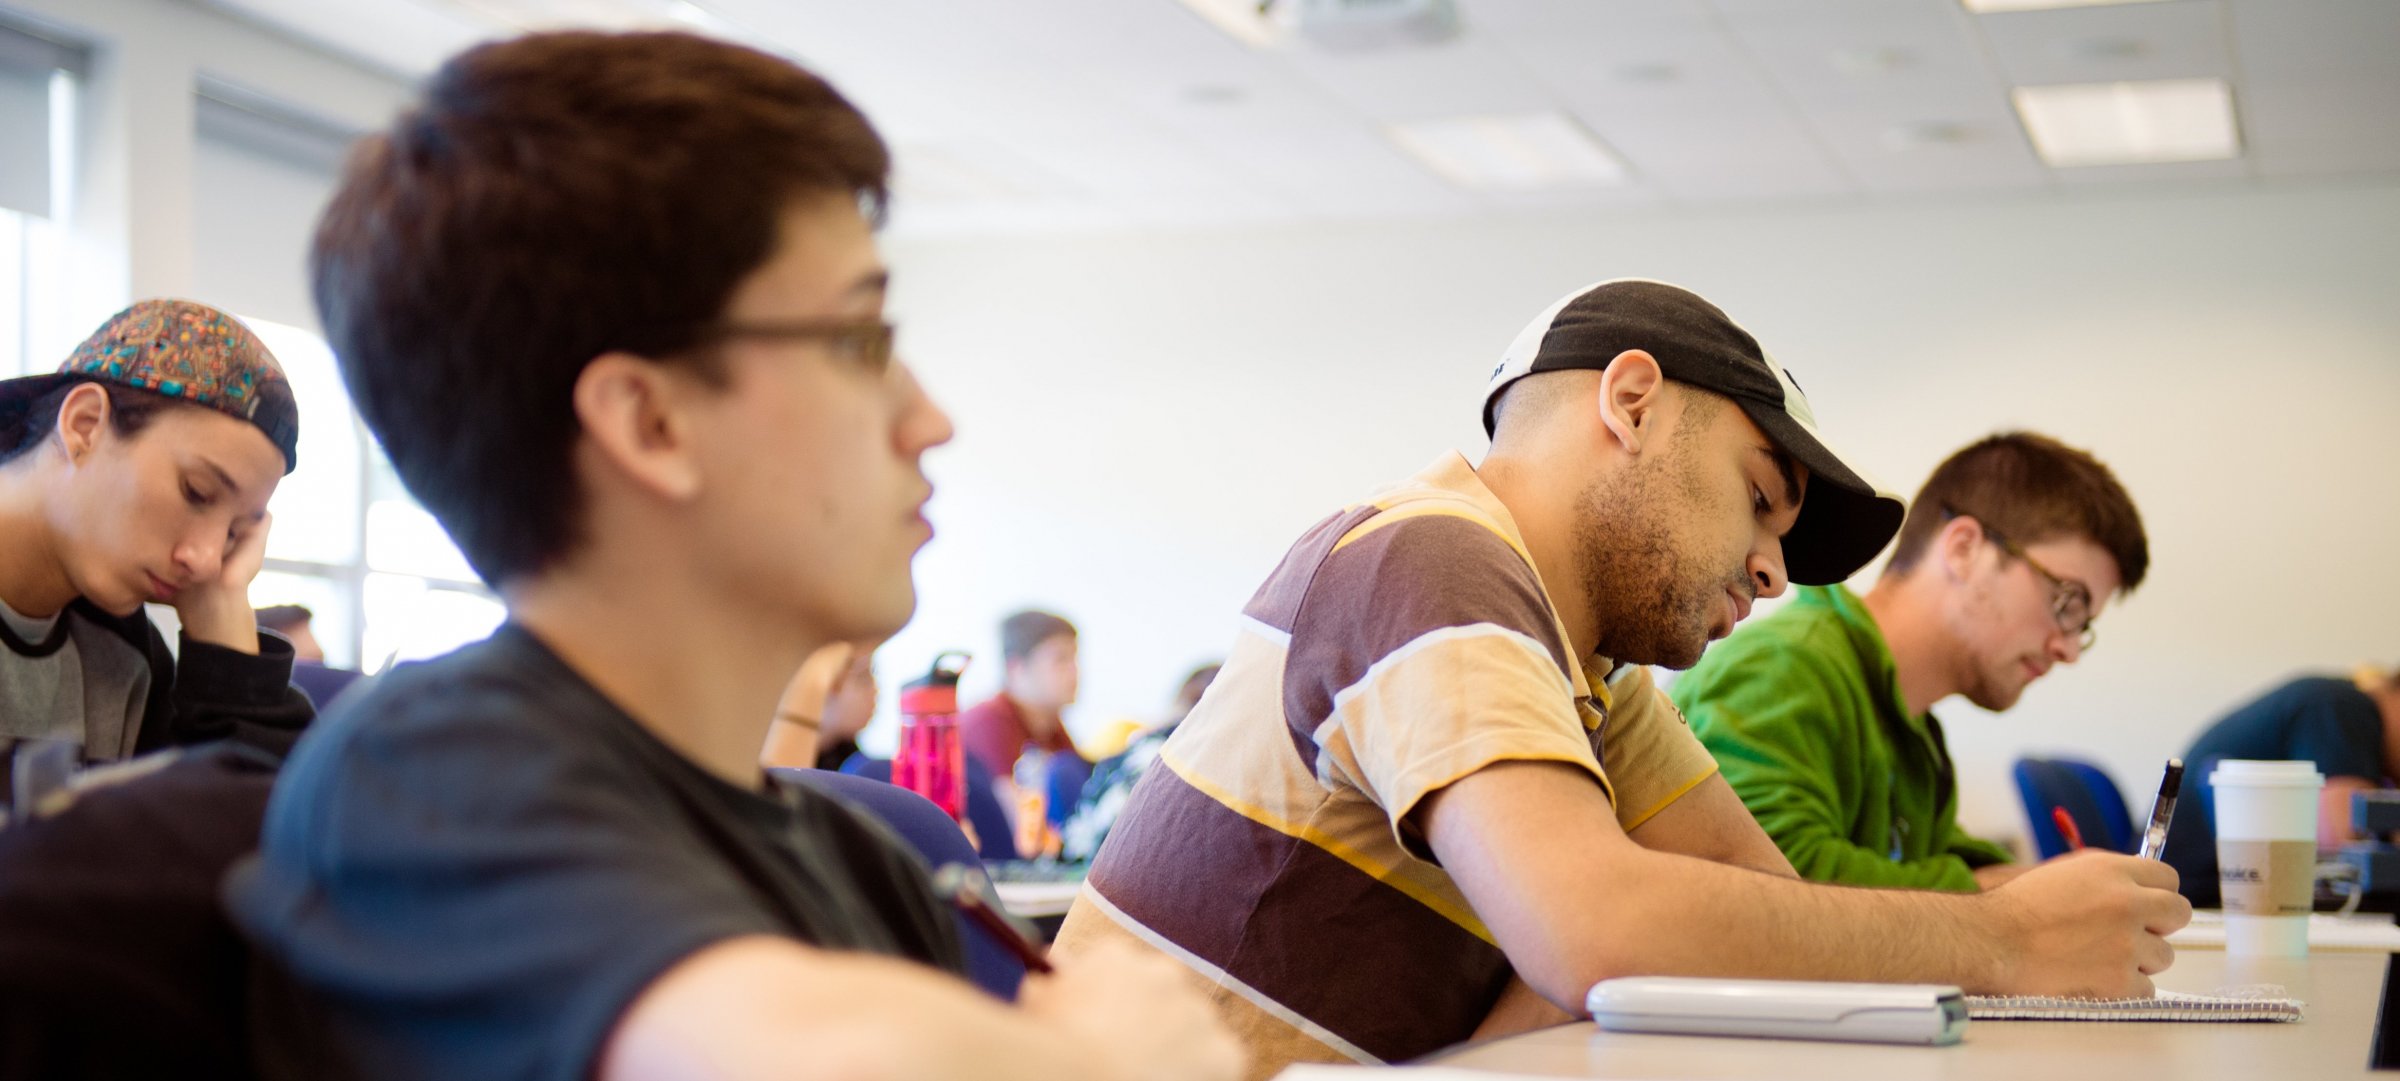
{"points": [[1571, 915]]}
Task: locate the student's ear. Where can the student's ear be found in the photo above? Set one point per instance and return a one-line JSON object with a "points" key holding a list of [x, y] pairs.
{"points": [[1956, 544], [82, 421], [634, 412], [1632, 394]]}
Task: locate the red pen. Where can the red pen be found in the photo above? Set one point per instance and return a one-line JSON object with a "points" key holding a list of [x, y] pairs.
{"points": [[957, 885], [2066, 827]]}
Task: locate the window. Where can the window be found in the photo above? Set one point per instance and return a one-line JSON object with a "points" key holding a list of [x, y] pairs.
{"points": [[383, 579], [38, 80]]}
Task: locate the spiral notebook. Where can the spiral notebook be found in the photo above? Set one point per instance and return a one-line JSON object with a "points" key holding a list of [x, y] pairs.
{"points": [[2259, 1003]]}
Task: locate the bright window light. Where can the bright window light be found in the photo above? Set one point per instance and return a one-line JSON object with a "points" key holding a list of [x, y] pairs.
{"points": [[2130, 123], [1527, 152]]}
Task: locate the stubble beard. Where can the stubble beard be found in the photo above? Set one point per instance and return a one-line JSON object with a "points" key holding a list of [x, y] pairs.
{"points": [[1653, 602]]}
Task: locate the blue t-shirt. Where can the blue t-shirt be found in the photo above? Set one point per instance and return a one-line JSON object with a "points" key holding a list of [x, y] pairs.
{"points": [[2326, 721], [471, 869]]}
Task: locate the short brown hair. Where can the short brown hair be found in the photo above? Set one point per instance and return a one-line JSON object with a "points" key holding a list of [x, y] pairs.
{"points": [[2030, 488], [1023, 632], [550, 199]]}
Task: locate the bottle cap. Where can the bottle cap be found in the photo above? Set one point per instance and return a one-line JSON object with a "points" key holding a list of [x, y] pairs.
{"points": [[937, 690]]}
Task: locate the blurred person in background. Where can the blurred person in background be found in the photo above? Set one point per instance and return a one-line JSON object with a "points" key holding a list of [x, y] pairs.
{"points": [[827, 705], [294, 623], [1113, 777], [2348, 727]]}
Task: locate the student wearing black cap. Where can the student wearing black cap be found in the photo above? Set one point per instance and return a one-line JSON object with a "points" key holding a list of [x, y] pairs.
{"points": [[140, 472], [1435, 795]]}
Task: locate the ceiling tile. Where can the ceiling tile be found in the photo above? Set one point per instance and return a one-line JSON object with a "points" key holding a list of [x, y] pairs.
{"points": [[2283, 38], [2123, 43], [1092, 114], [1466, 77]]}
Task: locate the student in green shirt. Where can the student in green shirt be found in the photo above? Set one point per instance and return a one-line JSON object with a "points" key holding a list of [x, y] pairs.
{"points": [[1820, 714]]}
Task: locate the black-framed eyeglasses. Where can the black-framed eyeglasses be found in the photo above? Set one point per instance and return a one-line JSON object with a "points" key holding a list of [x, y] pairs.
{"points": [[2070, 600], [866, 342]]}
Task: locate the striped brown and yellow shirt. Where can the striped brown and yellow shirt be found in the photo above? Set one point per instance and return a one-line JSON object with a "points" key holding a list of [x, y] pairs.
{"points": [[1403, 643]]}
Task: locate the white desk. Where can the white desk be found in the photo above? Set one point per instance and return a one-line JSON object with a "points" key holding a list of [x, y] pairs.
{"points": [[2343, 992], [1037, 900], [2369, 932]]}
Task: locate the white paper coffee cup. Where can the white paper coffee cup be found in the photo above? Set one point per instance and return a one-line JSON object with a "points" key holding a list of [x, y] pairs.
{"points": [[2266, 819]]}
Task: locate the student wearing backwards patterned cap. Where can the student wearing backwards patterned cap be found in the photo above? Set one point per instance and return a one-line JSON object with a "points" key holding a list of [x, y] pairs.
{"points": [[140, 472]]}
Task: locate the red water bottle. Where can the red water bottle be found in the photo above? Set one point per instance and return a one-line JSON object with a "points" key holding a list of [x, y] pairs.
{"points": [[932, 762]]}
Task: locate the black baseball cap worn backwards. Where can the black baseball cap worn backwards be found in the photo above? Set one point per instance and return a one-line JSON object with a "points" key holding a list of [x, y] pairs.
{"points": [[1845, 519]]}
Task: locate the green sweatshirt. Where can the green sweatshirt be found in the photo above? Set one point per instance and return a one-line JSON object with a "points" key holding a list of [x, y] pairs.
{"points": [[1803, 711]]}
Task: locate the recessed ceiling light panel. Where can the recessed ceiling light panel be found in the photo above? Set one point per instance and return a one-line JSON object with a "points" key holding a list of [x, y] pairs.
{"points": [[1523, 152], [2130, 123]]}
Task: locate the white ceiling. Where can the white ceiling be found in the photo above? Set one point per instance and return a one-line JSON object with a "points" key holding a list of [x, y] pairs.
{"points": [[1137, 113]]}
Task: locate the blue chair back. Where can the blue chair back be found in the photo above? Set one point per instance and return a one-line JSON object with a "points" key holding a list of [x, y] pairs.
{"points": [[321, 684], [939, 841], [1068, 774], [995, 830], [2088, 796]]}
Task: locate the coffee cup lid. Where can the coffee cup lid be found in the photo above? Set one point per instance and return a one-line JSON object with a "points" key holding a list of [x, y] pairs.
{"points": [[2252, 772]]}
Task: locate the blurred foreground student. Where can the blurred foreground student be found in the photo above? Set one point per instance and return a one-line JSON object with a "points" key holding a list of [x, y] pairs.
{"points": [[613, 305], [1434, 794], [1821, 714]]}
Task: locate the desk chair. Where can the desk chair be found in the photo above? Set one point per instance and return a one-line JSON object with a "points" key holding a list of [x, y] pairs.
{"points": [[1064, 787], [321, 684], [2087, 794], [938, 839], [995, 829]]}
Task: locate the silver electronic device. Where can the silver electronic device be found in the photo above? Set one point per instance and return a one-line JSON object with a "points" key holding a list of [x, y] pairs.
{"points": [[1915, 1013]]}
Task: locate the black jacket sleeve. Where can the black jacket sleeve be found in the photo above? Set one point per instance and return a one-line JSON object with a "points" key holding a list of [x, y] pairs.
{"points": [[214, 693]]}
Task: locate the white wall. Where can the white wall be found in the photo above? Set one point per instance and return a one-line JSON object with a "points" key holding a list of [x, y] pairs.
{"points": [[1147, 421]]}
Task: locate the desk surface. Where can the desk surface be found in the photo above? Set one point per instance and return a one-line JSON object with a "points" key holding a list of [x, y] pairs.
{"points": [[2370, 932], [1035, 900], [2343, 992]]}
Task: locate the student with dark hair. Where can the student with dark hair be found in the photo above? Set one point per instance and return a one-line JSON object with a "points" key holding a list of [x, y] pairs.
{"points": [[612, 304], [140, 472], [1820, 714], [1037, 683]]}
